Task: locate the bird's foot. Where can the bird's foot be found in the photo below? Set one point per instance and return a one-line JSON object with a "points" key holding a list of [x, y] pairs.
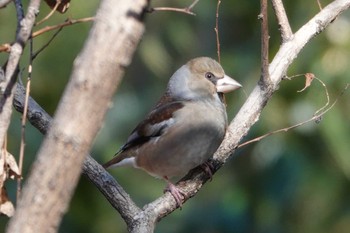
{"points": [[208, 169], [178, 195]]}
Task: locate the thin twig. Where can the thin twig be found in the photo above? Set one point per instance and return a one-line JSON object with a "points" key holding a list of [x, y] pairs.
{"points": [[23, 122], [284, 26], [319, 4], [322, 83], [193, 4], [265, 76], [217, 30], [66, 23], [327, 95], [182, 10], [316, 117], [34, 55], [58, 2], [5, 48], [186, 10], [20, 17]]}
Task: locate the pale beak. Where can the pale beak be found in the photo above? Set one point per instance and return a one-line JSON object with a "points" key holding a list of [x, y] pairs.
{"points": [[227, 84]]}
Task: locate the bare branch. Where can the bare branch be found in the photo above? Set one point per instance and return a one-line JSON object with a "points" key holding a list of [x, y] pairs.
{"points": [[35, 115], [217, 30], [251, 110], [327, 95], [316, 117], [284, 26], [265, 76], [239, 127], [68, 22], [186, 10], [47, 192], [6, 86], [110, 188], [24, 118], [34, 55]]}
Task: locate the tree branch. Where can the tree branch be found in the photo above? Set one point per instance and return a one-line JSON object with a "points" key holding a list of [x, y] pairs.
{"points": [[186, 10], [96, 75], [108, 186], [284, 26], [24, 29], [68, 22], [216, 29], [144, 220], [263, 16], [251, 110]]}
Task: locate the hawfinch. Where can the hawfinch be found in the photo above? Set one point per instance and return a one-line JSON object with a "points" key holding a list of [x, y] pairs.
{"points": [[186, 126]]}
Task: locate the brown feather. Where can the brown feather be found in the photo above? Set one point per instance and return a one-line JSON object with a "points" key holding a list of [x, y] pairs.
{"points": [[144, 131]]}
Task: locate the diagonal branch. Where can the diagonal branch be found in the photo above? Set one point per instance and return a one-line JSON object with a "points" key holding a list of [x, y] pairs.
{"points": [[114, 193], [252, 108], [284, 26], [68, 22]]}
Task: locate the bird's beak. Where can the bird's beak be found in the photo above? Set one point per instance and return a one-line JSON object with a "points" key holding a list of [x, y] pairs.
{"points": [[227, 84]]}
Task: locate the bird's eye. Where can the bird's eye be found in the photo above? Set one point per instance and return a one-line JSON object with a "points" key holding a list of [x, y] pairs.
{"points": [[209, 75]]}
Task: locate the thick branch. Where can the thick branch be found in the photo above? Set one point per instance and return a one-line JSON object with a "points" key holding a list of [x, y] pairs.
{"points": [[95, 76], [114, 193]]}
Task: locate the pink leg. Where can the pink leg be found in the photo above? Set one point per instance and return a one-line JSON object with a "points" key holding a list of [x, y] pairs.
{"points": [[175, 192]]}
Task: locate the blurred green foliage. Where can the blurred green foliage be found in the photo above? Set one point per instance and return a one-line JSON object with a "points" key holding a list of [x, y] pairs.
{"points": [[297, 181]]}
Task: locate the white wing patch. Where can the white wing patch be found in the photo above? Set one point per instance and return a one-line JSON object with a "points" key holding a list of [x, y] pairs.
{"points": [[156, 128]]}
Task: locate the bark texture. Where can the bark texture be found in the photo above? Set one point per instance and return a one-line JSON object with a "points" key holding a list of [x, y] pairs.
{"points": [[96, 73]]}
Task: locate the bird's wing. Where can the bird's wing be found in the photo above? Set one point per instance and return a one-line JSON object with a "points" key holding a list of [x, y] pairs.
{"points": [[153, 126]]}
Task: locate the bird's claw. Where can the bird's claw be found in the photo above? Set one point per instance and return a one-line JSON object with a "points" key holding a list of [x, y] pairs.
{"points": [[178, 195], [208, 169]]}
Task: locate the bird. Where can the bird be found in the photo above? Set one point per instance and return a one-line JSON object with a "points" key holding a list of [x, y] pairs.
{"points": [[185, 127]]}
